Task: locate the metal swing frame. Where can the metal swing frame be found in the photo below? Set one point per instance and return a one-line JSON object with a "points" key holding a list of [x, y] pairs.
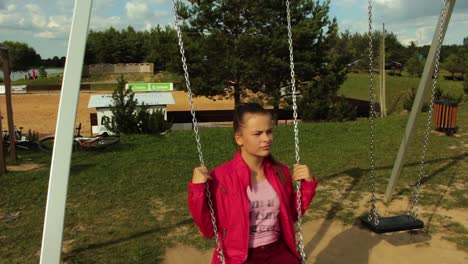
{"points": [[411, 220]]}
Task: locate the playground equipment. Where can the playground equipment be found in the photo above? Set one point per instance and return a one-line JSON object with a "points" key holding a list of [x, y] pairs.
{"points": [[411, 220]]}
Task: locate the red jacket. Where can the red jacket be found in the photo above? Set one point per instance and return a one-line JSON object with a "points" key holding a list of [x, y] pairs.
{"points": [[231, 206]]}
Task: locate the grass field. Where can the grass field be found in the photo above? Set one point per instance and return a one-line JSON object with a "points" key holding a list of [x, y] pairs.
{"points": [[128, 204], [397, 87]]}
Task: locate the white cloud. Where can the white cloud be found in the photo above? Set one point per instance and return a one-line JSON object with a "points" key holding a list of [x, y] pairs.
{"points": [[344, 3], [46, 35], [104, 4], [137, 10], [99, 22]]}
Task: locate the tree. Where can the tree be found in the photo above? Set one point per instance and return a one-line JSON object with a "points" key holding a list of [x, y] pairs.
{"points": [[113, 46], [42, 72], [22, 56], [247, 47], [162, 48], [124, 107], [129, 117], [455, 63], [415, 65]]}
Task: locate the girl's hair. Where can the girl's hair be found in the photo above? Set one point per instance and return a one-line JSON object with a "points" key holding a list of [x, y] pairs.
{"points": [[246, 108], [238, 120]]}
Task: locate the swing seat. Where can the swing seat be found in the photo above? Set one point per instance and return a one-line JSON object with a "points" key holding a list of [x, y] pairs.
{"points": [[392, 223]]}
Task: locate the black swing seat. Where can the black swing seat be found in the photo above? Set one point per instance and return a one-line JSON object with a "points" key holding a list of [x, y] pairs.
{"points": [[392, 223]]}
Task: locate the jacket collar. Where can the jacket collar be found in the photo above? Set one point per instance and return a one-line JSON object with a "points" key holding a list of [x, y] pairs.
{"points": [[244, 171]]}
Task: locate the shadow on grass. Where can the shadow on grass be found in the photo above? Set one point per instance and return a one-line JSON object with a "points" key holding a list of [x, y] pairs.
{"points": [[76, 251], [442, 194], [454, 159], [453, 162]]}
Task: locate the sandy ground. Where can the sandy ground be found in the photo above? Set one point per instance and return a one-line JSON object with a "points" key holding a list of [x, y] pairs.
{"points": [[329, 242], [38, 111], [326, 241]]}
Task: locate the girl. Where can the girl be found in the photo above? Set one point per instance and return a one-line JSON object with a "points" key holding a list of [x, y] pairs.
{"points": [[253, 196]]}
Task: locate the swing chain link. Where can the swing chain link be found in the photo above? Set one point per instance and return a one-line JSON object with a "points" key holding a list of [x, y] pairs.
{"points": [[296, 136], [414, 205], [373, 210], [195, 129]]}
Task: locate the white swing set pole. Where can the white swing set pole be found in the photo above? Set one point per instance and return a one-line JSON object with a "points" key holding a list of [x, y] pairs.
{"points": [[424, 85], [61, 156]]}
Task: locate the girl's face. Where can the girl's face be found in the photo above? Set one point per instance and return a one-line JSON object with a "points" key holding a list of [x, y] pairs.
{"points": [[255, 136]]}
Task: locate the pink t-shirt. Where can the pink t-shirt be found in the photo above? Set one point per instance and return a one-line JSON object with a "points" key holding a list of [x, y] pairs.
{"points": [[264, 214]]}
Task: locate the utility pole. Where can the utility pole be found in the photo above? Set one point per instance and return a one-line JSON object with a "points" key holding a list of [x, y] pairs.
{"points": [[2, 155], [383, 97], [11, 126]]}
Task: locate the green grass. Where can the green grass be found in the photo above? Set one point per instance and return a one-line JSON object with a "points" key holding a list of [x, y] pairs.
{"points": [[54, 79], [103, 86], [128, 204], [397, 87]]}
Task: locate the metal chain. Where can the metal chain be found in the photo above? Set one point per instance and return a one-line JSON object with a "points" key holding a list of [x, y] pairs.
{"points": [[195, 129], [414, 205], [296, 136], [373, 210]]}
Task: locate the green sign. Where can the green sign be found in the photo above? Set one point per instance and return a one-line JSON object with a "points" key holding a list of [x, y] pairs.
{"points": [[150, 87]]}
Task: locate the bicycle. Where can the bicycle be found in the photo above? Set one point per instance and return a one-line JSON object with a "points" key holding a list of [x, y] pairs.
{"points": [[101, 141], [21, 141]]}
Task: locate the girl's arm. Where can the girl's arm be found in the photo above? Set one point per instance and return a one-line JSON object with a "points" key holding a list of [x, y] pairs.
{"points": [[308, 186], [198, 202]]}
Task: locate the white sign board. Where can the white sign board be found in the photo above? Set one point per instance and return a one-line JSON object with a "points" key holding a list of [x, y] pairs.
{"points": [[15, 89]]}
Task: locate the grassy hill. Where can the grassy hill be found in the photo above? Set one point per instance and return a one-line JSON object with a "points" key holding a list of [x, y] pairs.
{"points": [[397, 87]]}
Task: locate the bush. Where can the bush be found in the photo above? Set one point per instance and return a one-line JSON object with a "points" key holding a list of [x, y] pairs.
{"points": [[342, 111], [465, 83], [33, 136], [408, 103], [152, 122], [42, 72], [317, 99]]}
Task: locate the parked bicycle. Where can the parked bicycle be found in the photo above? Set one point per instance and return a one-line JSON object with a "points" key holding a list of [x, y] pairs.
{"points": [[22, 141], [79, 142]]}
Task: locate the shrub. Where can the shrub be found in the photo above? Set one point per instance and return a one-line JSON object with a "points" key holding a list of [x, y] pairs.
{"points": [[465, 83], [152, 122], [33, 136], [408, 103], [42, 72], [342, 111]]}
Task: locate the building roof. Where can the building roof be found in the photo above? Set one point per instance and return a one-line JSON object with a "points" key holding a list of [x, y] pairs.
{"points": [[157, 98]]}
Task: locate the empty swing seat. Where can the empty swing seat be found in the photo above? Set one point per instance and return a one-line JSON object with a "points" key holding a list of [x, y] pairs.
{"points": [[392, 223]]}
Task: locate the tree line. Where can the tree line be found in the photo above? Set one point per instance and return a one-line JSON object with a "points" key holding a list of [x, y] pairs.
{"points": [[23, 57], [247, 47]]}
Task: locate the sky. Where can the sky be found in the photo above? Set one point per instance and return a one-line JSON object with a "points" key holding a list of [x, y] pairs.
{"points": [[45, 24]]}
